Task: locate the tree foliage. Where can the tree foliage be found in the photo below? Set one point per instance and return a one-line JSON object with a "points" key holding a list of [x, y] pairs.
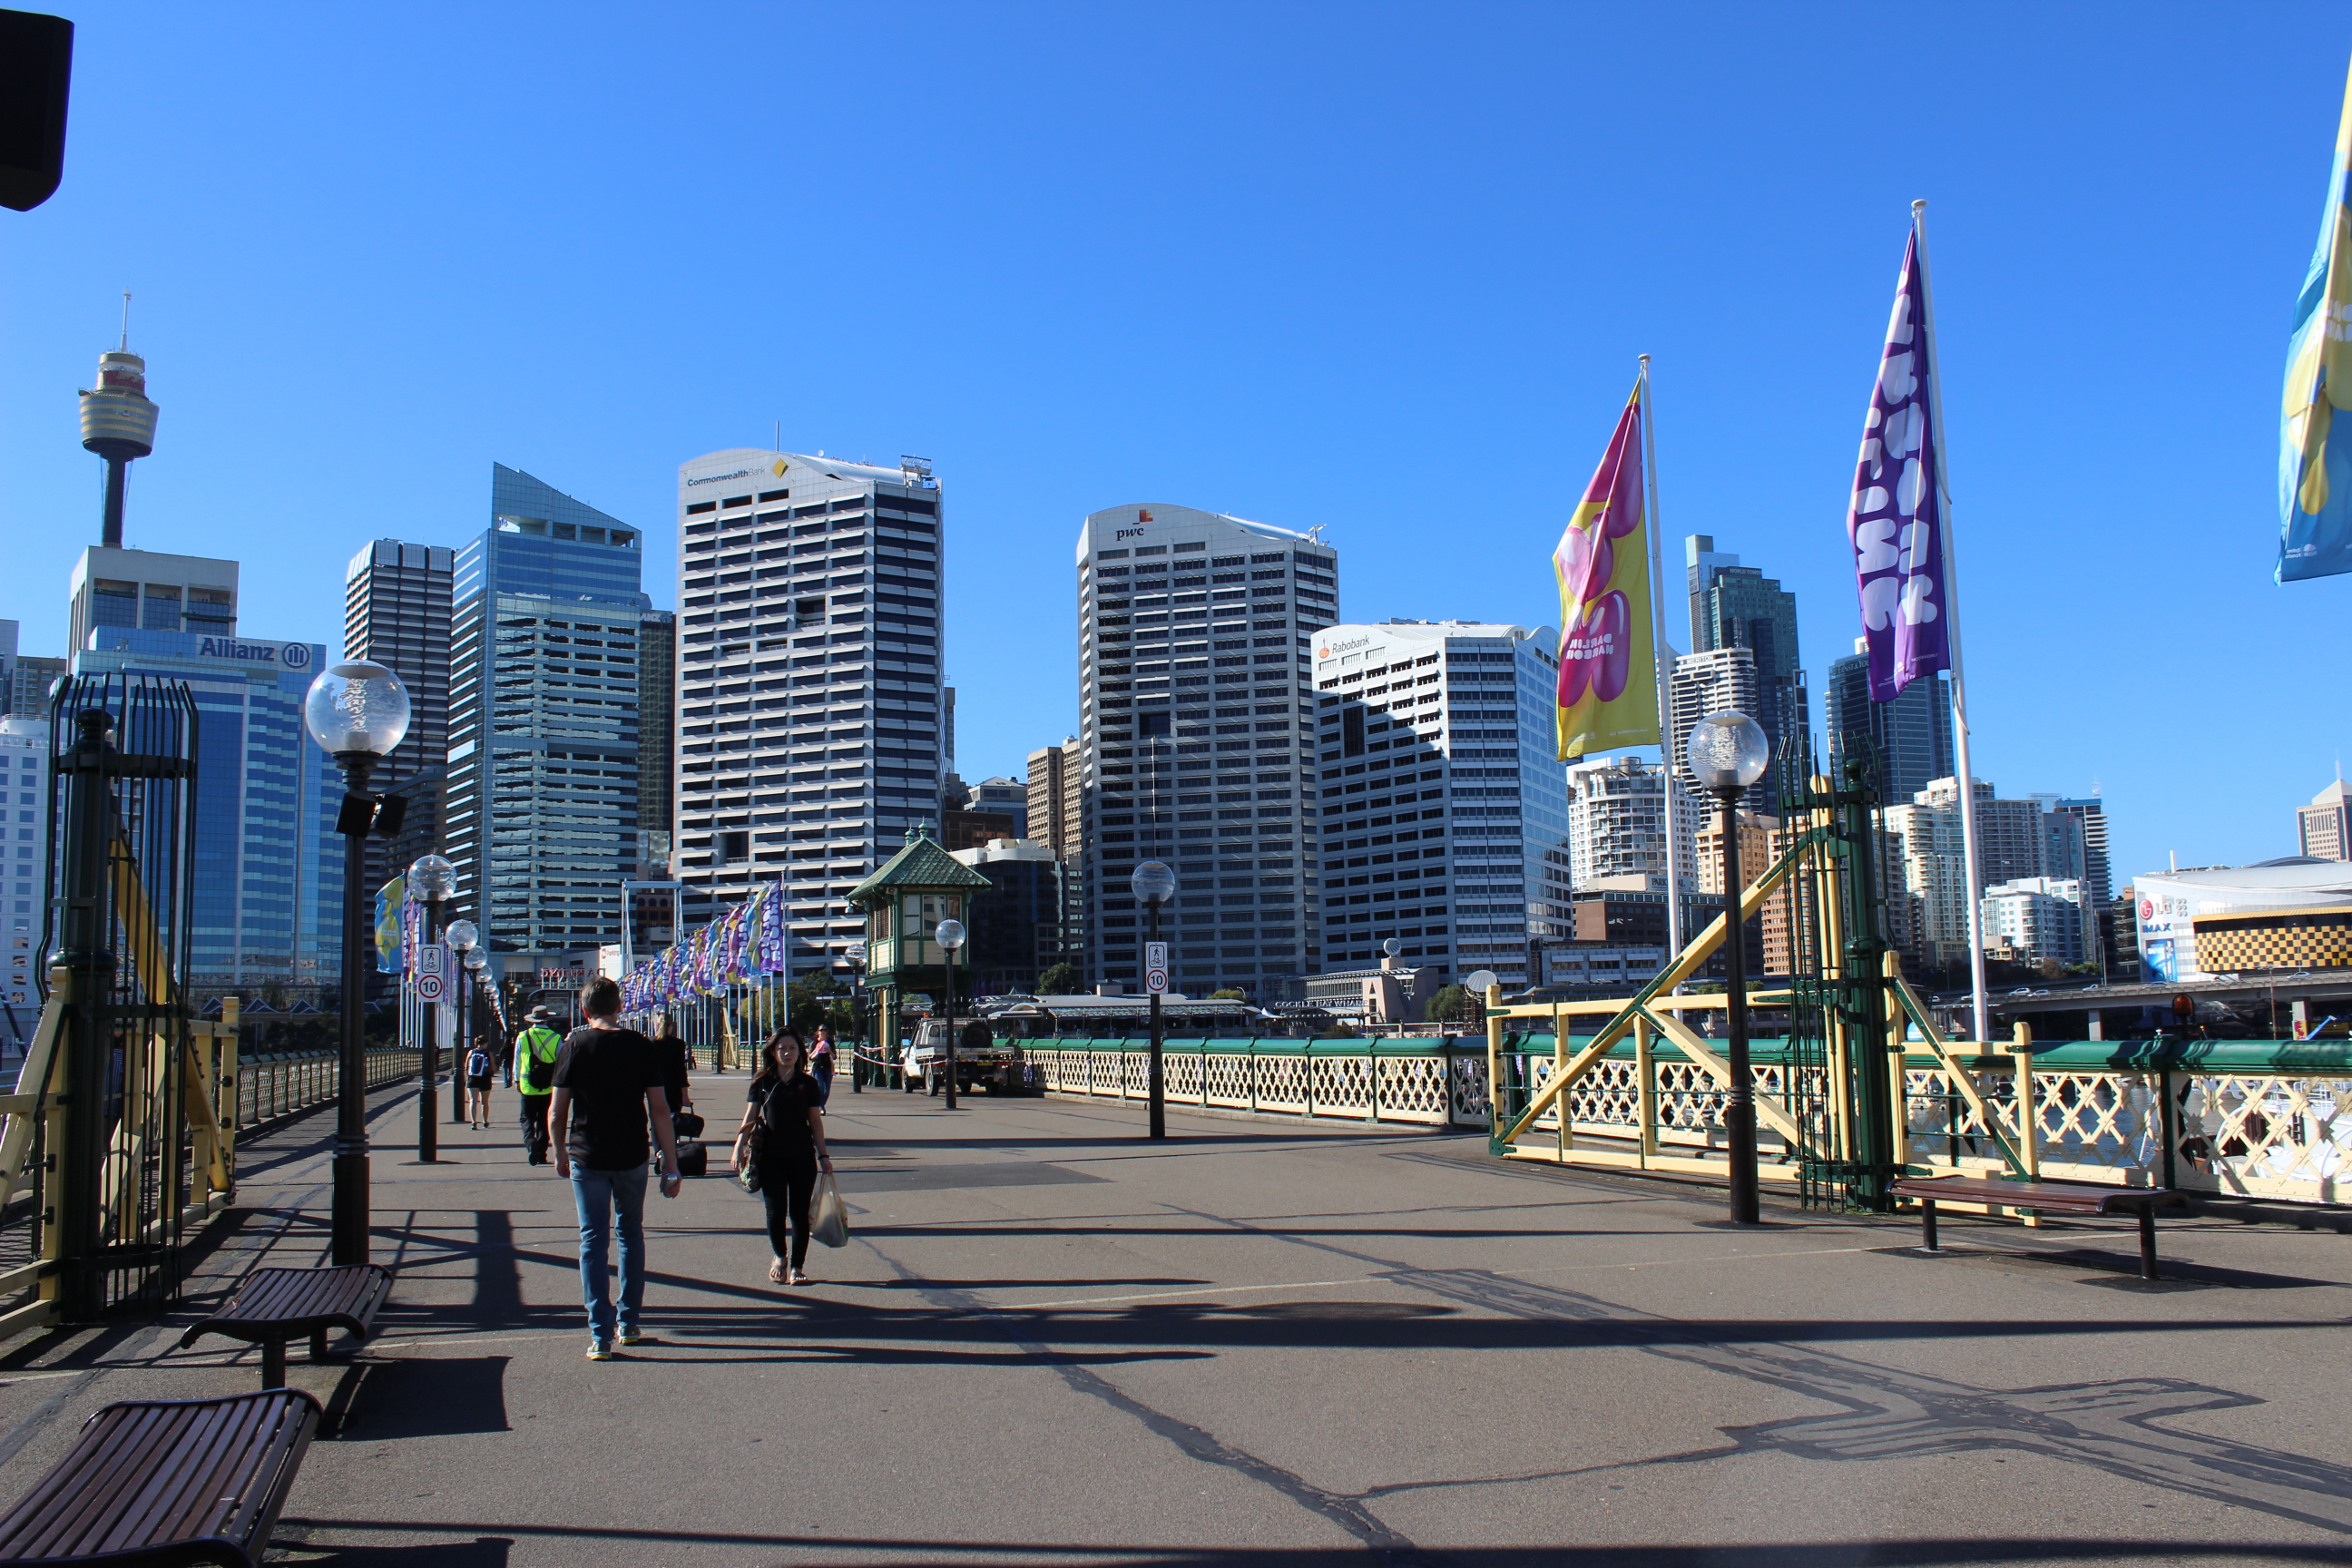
{"points": [[1454, 1005], [1060, 980]]}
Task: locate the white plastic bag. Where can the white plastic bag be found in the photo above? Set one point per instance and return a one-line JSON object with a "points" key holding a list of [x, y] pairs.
{"points": [[831, 1224]]}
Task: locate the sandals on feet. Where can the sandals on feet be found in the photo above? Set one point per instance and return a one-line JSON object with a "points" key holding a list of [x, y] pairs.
{"points": [[776, 1274]]}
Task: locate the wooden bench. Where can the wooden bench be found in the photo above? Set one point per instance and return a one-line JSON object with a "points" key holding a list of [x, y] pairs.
{"points": [[166, 1482], [275, 1305], [2048, 1197]]}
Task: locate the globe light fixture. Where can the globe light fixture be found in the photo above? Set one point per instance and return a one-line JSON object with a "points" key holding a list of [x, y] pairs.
{"points": [[1155, 884], [477, 961], [357, 711], [1727, 753], [356, 708], [432, 877], [462, 935]]}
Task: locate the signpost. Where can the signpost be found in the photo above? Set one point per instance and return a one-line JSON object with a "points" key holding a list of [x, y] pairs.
{"points": [[1155, 968], [432, 972]]}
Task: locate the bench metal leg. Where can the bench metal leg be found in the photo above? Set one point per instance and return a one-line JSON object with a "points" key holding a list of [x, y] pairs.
{"points": [[2148, 1242], [1927, 1225], [318, 1344], [273, 1364]]}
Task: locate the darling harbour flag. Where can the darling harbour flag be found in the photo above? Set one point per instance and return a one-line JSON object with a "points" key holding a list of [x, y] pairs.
{"points": [[2315, 467], [1608, 685], [1897, 521]]}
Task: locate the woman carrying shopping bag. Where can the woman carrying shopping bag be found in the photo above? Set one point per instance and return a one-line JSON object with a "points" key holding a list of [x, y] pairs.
{"points": [[783, 1132]]}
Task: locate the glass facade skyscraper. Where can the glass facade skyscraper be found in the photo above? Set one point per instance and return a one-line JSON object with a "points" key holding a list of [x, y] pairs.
{"points": [[543, 736], [810, 715], [1737, 607], [268, 862], [1197, 741], [1911, 737], [396, 611], [1445, 812]]}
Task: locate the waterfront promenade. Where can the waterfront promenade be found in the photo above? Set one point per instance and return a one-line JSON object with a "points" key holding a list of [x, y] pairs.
{"points": [[1050, 1342]]}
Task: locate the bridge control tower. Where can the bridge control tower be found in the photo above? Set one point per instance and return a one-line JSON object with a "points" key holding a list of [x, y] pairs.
{"points": [[118, 422]]}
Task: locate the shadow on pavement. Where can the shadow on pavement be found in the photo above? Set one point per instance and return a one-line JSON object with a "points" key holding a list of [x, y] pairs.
{"points": [[427, 1397]]}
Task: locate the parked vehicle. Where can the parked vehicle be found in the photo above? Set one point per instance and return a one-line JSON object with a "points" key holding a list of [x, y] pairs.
{"points": [[981, 1059]]}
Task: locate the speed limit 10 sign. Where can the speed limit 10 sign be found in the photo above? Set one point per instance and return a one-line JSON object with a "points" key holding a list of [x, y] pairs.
{"points": [[1155, 967]]}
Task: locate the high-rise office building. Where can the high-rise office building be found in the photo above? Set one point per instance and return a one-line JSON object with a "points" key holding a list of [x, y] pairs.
{"points": [[1055, 798], [267, 863], [31, 679], [810, 718], [25, 789], [1737, 607], [1704, 683], [1444, 814], [147, 590], [1021, 924], [541, 819], [2323, 829], [2042, 918], [1617, 821], [1196, 726], [656, 740], [1910, 737], [397, 612], [2097, 867]]}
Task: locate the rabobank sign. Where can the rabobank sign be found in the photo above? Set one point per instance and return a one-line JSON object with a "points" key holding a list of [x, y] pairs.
{"points": [[286, 656]]}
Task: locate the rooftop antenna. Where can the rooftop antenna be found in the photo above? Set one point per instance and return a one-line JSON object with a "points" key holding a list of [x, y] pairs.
{"points": [[780, 435], [125, 344]]}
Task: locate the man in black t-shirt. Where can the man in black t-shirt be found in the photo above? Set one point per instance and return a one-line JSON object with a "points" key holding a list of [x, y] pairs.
{"points": [[608, 1086]]}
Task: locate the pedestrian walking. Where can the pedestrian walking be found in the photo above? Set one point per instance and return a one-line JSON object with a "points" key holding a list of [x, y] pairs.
{"points": [[479, 1069], [822, 1063], [784, 1124], [534, 1075], [608, 1087], [677, 1063]]}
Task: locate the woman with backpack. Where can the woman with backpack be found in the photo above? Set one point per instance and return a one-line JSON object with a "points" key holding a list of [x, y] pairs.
{"points": [[479, 1068], [784, 1129]]}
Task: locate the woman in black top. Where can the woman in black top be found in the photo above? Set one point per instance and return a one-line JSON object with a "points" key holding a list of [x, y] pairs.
{"points": [[676, 1062], [784, 1114]]}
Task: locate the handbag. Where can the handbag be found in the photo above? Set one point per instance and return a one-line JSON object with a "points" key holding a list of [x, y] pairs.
{"points": [[747, 1169], [831, 1223], [687, 1123]]}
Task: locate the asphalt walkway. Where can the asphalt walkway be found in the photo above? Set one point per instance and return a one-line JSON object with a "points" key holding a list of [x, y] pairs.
{"points": [[1052, 1343]]}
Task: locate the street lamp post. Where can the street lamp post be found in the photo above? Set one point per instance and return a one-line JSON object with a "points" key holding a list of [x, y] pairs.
{"points": [[1727, 753], [432, 879], [856, 954], [951, 937], [1154, 884], [357, 711], [462, 937]]}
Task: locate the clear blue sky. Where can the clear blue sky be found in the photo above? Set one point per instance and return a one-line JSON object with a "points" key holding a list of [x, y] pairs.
{"points": [[1384, 269]]}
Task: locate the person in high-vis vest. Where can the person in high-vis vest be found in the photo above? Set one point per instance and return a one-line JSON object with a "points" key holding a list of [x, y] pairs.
{"points": [[534, 1076]]}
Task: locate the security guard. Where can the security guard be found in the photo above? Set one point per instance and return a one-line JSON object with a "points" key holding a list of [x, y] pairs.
{"points": [[534, 1071]]}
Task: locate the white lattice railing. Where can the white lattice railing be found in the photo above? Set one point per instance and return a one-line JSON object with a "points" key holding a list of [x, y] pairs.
{"points": [[2266, 1120]]}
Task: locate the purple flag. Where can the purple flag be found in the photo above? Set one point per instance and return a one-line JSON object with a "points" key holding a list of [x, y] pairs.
{"points": [[1897, 523]]}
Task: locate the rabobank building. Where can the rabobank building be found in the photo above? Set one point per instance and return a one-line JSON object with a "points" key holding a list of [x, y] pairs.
{"points": [[268, 865]]}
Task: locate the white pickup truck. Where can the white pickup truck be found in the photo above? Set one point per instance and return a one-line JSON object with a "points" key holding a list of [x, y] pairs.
{"points": [[981, 1058]]}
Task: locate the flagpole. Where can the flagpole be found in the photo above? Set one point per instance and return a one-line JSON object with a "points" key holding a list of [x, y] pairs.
{"points": [[1660, 668], [1952, 639]]}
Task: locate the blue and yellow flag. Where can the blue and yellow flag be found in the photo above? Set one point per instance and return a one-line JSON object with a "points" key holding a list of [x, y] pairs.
{"points": [[388, 899], [2316, 471]]}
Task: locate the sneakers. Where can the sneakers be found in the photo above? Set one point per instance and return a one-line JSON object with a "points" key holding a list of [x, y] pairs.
{"points": [[600, 1350], [634, 1337]]}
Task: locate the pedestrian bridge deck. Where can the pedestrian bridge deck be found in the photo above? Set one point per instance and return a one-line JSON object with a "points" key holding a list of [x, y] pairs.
{"points": [[1051, 1342]]}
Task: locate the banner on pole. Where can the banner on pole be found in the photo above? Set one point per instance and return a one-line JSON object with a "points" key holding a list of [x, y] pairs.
{"points": [[2315, 468], [1896, 519], [1602, 562]]}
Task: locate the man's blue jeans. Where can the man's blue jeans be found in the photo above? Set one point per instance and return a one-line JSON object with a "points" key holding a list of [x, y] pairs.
{"points": [[597, 1195]]}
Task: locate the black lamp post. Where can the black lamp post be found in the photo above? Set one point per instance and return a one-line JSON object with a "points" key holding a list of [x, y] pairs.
{"points": [[432, 879], [856, 957], [463, 937], [357, 711], [950, 936], [1726, 754], [1154, 884]]}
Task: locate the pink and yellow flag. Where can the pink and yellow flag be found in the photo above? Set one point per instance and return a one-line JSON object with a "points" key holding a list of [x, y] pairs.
{"points": [[1608, 676]]}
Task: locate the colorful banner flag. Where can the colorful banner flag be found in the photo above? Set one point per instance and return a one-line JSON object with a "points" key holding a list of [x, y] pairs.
{"points": [[1608, 681], [388, 901], [1895, 520], [2315, 470]]}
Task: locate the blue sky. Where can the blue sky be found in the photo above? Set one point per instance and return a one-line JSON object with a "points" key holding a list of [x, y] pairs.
{"points": [[1382, 268]]}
